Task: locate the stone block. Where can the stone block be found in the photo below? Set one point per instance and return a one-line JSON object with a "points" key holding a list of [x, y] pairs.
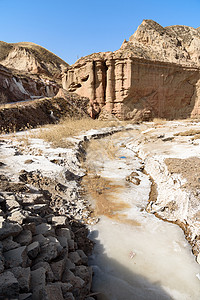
{"points": [[16, 257], [59, 220], [29, 226], [71, 245], [69, 264], [63, 241], [24, 238], [54, 292], [41, 239], [18, 215], [58, 269], [46, 266], [38, 278], [44, 229], [75, 258], [64, 232], [83, 256], [84, 272], [47, 252], [33, 250], [23, 275], [9, 244], [12, 203], [8, 229], [9, 286], [56, 241]]}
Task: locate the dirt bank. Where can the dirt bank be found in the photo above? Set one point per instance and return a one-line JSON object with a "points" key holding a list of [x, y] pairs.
{"points": [[30, 114]]}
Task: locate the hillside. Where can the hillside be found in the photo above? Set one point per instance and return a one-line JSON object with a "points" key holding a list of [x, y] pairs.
{"points": [[31, 58]]}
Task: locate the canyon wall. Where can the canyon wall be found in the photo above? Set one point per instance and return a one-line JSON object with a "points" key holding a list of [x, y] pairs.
{"points": [[124, 86], [156, 73]]}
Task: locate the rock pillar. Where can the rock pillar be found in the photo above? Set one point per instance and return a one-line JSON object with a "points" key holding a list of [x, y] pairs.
{"points": [[110, 85], [129, 73], [91, 87], [119, 80], [99, 71]]}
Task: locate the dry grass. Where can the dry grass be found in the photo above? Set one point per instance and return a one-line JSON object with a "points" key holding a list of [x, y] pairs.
{"points": [[57, 134], [190, 132], [159, 121]]}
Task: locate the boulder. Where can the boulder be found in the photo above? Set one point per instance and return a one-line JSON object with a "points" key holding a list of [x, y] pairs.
{"points": [[16, 257], [37, 208], [38, 282], [63, 241], [56, 241], [58, 269], [29, 226], [64, 232], [24, 238], [8, 229], [69, 264], [54, 292], [46, 266], [45, 229], [9, 244], [47, 252], [83, 256], [59, 220], [18, 215], [84, 272], [11, 203], [41, 239], [23, 275], [33, 250], [9, 286], [75, 258]]}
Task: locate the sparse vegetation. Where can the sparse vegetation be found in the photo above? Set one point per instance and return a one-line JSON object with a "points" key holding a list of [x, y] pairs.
{"points": [[57, 133], [190, 132], [159, 121], [3, 98]]}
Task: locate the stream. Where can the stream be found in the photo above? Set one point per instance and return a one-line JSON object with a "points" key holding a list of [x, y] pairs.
{"points": [[136, 255]]}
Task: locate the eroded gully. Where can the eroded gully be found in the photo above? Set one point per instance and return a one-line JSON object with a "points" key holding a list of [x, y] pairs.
{"points": [[136, 255]]}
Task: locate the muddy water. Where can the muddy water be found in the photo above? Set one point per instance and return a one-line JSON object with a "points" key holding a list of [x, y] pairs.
{"points": [[136, 255]]}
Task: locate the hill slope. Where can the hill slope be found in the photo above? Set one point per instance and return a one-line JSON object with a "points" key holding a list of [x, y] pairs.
{"points": [[31, 58]]}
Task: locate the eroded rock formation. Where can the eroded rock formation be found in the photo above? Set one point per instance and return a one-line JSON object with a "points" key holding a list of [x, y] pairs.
{"points": [[16, 86], [156, 72]]}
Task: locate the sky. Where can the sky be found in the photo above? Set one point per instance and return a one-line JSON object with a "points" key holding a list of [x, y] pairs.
{"points": [[72, 29]]}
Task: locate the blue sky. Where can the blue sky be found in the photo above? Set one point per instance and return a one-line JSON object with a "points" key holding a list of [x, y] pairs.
{"points": [[75, 28]]}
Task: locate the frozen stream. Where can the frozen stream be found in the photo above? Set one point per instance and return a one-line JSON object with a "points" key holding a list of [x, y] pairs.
{"points": [[136, 256]]}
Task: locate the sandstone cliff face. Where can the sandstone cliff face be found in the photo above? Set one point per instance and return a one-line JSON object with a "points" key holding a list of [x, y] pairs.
{"points": [[156, 73], [15, 86]]}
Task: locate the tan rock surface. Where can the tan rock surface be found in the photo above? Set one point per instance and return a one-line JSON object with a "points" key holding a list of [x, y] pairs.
{"points": [[156, 73], [31, 58]]}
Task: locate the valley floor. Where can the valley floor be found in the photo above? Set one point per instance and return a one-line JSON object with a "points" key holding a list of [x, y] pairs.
{"points": [[47, 200]]}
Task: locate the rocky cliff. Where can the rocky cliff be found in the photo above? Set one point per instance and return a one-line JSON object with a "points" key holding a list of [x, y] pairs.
{"points": [[155, 73]]}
